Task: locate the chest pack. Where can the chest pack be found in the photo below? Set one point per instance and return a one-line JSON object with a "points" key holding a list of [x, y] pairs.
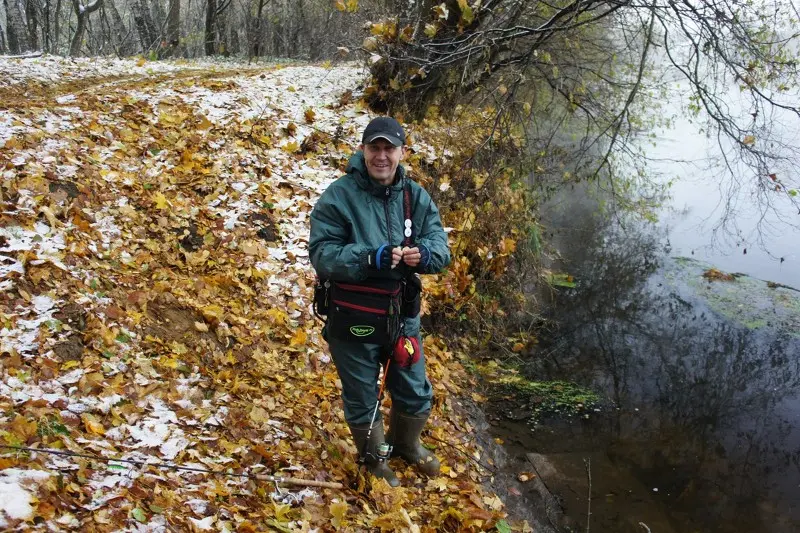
{"points": [[370, 311]]}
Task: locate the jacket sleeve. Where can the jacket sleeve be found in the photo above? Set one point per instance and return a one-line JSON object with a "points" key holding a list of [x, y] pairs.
{"points": [[330, 252], [433, 236]]}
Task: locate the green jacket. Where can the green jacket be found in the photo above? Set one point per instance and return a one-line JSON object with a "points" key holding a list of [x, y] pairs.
{"points": [[356, 215]]}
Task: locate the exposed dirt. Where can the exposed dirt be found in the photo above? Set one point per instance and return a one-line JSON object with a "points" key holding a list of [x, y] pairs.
{"points": [[172, 323], [70, 349]]}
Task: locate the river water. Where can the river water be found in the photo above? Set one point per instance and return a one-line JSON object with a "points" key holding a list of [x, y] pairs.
{"points": [[700, 427]]}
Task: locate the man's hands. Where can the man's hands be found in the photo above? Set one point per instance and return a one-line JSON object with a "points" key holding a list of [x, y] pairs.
{"points": [[386, 257], [411, 256], [417, 256]]}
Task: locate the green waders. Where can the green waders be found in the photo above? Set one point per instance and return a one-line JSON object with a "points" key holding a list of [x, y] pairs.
{"points": [[358, 366]]}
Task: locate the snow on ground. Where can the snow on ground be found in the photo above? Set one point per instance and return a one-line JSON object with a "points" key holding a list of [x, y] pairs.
{"points": [[282, 96], [49, 68], [17, 493]]}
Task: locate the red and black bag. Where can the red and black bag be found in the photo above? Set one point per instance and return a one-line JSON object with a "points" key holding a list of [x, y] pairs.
{"points": [[367, 312]]}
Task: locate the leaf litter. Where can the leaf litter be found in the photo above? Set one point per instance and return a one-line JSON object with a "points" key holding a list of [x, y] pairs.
{"points": [[155, 306]]}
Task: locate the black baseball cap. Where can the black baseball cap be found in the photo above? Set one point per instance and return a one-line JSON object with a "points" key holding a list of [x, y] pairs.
{"points": [[384, 128]]}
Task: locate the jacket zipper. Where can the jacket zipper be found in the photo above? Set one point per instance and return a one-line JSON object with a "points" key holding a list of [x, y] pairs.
{"points": [[386, 210]]}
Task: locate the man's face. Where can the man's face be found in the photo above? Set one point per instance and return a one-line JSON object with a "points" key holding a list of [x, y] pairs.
{"points": [[382, 158]]}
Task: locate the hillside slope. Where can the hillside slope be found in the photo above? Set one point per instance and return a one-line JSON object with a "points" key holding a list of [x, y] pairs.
{"points": [[155, 306]]}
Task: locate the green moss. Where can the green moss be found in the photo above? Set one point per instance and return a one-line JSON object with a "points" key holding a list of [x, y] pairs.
{"points": [[563, 397]]}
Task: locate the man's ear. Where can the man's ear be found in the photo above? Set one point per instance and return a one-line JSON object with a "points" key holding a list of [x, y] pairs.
{"points": [[361, 147], [402, 151]]}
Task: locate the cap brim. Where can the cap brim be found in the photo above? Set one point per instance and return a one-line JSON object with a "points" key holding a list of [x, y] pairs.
{"points": [[391, 138]]}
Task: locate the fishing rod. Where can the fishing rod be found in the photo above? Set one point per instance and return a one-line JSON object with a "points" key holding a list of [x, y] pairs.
{"points": [[278, 480], [384, 450]]}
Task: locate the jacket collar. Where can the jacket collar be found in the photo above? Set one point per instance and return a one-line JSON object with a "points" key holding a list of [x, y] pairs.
{"points": [[357, 167]]}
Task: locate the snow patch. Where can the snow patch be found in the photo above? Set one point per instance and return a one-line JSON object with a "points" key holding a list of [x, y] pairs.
{"points": [[16, 493]]}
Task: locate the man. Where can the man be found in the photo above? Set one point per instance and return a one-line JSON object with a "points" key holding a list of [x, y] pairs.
{"points": [[357, 228]]}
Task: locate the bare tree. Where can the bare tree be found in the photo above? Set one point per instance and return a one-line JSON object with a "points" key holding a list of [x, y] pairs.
{"points": [[123, 39], [148, 36], [215, 25], [596, 59], [17, 31], [82, 12], [174, 24]]}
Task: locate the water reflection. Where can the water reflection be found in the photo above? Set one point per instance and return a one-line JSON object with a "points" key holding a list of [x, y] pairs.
{"points": [[708, 409]]}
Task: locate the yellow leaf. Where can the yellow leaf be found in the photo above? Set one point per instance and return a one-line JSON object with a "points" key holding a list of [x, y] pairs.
{"points": [[69, 365], [161, 201], [438, 483], [748, 140], [352, 5], [186, 158], [309, 115], [494, 502], [140, 62], [259, 415], [340, 5], [277, 316], [518, 347], [338, 512], [201, 326], [213, 312], [291, 147], [92, 425], [379, 28], [299, 338], [430, 30], [204, 123]]}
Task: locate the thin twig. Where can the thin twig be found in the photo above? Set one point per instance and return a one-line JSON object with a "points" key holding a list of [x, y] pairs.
{"points": [[260, 477]]}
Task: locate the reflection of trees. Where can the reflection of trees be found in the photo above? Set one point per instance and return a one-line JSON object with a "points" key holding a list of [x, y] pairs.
{"points": [[712, 428]]}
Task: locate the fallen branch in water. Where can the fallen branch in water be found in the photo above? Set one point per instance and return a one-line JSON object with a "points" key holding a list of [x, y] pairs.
{"points": [[588, 464]]}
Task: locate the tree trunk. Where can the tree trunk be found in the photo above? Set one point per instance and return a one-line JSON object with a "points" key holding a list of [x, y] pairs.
{"points": [[159, 18], [256, 36], [32, 10], [46, 39], [234, 40], [56, 27], [17, 33], [211, 22], [222, 30], [144, 24], [174, 26], [82, 12], [3, 49], [122, 36]]}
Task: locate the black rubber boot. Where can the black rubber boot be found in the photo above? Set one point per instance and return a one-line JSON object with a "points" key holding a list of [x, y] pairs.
{"points": [[404, 432], [374, 466]]}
